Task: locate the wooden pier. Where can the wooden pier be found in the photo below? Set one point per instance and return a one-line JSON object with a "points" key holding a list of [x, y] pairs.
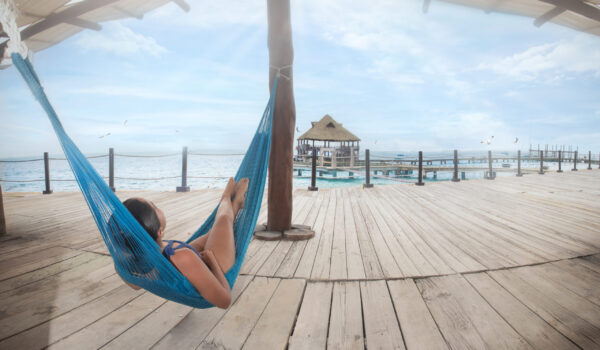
{"points": [[507, 264]]}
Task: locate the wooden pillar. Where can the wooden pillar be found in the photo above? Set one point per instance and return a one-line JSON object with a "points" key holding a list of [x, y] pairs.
{"points": [[589, 160], [420, 182], [2, 219], [519, 163], [368, 183], [281, 166], [111, 168], [455, 175], [47, 174], [184, 187], [559, 161], [541, 172], [313, 172]]}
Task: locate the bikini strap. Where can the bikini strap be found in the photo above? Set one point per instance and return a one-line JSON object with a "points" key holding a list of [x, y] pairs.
{"points": [[169, 250]]}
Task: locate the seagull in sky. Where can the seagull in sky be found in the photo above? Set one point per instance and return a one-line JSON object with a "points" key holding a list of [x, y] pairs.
{"points": [[516, 139], [297, 129], [488, 141], [125, 123], [105, 135]]}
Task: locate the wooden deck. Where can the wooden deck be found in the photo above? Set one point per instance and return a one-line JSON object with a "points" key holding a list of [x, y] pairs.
{"points": [[512, 263]]}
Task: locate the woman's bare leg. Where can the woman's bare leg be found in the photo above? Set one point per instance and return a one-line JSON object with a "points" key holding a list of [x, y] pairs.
{"points": [[200, 243], [220, 238]]}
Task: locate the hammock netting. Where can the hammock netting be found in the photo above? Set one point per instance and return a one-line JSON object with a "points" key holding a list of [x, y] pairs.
{"points": [[137, 257]]}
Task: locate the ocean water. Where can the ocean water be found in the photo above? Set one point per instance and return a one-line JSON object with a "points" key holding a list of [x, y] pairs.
{"points": [[212, 171]]}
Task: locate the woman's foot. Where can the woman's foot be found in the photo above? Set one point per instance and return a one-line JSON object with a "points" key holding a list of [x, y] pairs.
{"points": [[230, 189], [240, 195]]}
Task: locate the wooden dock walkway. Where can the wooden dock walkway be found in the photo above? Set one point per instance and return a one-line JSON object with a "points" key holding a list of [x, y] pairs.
{"points": [[512, 263]]}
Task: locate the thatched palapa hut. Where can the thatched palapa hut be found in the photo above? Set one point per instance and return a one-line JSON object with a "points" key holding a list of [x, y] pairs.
{"points": [[336, 145]]}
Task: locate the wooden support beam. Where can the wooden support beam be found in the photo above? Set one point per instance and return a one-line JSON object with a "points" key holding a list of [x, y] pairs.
{"points": [[426, 5], [183, 5], [82, 23], [281, 162], [54, 19], [578, 7], [128, 13], [2, 219], [548, 16]]}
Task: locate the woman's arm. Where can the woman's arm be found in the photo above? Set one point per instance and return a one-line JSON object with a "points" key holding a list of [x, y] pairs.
{"points": [[202, 278]]}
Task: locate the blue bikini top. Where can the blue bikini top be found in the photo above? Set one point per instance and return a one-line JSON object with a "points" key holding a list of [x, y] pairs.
{"points": [[169, 250]]}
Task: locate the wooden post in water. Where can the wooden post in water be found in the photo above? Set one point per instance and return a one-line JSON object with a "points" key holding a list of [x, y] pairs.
{"points": [[313, 172], [519, 163], [490, 172], [368, 183], [559, 161], [47, 174], [420, 182], [281, 165], [589, 160], [455, 176], [541, 172], [2, 219], [184, 187], [111, 169], [574, 162]]}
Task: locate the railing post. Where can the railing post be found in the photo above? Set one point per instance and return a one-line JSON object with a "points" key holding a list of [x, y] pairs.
{"points": [[490, 172], [598, 160], [420, 182], [111, 169], [47, 174], [455, 177], [368, 183], [2, 219], [589, 160], [184, 187], [519, 173], [313, 172], [559, 162], [541, 172], [574, 162]]}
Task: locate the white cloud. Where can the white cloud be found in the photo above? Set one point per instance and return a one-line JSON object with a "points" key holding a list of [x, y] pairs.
{"points": [[115, 38], [467, 130], [138, 92], [580, 55]]}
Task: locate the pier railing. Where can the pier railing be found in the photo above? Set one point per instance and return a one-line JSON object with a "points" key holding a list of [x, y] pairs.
{"points": [[377, 166]]}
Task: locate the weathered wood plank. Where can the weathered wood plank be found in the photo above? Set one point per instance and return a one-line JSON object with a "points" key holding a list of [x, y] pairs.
{"points": [[275, 324], [233, 329], [382, 330], [346, 321], [535, 330], [311, 327], [417, 324]]}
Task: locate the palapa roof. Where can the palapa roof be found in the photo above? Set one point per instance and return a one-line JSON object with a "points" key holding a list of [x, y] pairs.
{"points": [[582, 15], [44, 23], [327, 129]]}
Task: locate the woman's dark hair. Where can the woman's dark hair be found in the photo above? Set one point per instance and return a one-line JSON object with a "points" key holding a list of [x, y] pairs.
{"points": [[145, 214]]}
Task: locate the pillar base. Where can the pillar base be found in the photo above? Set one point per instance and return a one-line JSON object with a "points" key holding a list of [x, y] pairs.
{"points": [[113, 189], [573, 169], [295, 233], [310, 188], [367, 185], [456, 180], [47, 192], [559, 171], [183, 189], [519, 174], [419, 184], [540, 172]]}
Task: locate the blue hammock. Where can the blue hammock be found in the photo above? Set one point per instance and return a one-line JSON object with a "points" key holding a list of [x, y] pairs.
{"points": [[137, 257]]}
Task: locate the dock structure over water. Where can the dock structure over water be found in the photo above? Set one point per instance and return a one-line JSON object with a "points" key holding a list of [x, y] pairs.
{"points": [[506, 264]]}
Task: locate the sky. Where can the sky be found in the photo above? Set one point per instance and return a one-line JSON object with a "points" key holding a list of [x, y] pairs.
{"points": [[399, 79]]}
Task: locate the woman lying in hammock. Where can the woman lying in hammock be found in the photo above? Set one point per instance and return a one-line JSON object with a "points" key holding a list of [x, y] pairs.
{"points": [[205, 260]]}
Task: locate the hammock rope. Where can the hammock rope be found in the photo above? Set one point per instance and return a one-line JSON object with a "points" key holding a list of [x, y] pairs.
{"points": [[137, 257]]}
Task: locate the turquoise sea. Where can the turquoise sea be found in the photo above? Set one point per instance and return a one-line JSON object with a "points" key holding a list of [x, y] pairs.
{"points": [[145, 172]]}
